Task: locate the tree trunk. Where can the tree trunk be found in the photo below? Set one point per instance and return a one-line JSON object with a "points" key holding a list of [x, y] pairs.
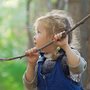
{"points": [[59, 4], [84, 40], [85, 35], [30, 40], [79, 9]]}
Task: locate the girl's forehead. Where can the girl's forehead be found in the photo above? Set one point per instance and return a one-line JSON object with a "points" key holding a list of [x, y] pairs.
{"points": [[39, 26], [36, 24]]}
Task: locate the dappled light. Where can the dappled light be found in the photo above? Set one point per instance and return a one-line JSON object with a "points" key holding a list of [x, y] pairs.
{"points": [[12, 43], [10, 3], [16, 35]]}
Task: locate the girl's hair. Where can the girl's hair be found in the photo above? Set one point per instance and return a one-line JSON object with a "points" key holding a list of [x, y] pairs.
{"points": [[55, 22]]}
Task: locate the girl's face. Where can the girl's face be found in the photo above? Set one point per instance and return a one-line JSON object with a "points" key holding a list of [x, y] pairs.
{"points": [[42, 37]]}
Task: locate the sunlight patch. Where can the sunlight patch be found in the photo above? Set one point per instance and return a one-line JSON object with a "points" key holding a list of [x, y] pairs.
{"points": [[10, 3]]}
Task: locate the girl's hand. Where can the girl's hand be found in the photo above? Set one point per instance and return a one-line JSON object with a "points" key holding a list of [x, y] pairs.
{"points": [[61, 42], [32, 55]]}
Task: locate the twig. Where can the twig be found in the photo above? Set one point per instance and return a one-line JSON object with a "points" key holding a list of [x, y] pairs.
{"points": [[51, 42], [67, 32], [13, 58], [79, 23]]}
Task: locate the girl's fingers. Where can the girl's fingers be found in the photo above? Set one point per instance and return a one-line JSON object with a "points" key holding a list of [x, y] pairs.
{"points": [[58, 36], [34, 49], [31, 51]]}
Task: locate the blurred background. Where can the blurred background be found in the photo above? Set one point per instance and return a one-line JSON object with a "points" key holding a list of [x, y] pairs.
{"points": [[16, 35]]}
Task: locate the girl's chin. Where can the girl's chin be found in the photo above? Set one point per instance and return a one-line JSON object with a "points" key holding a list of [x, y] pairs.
{"points": [[38, 47], [43, 50]]}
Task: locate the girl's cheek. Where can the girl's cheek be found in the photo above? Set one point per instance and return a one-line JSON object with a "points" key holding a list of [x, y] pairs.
{"points": [[36, 36]]}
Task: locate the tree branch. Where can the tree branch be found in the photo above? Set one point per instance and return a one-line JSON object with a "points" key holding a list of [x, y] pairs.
{"points": [[13, 58], [51, 42]]}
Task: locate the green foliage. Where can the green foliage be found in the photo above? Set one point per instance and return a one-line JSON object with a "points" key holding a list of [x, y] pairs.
{"points": [[13, 42], [13, 38], [11, 76], [53, 1]]}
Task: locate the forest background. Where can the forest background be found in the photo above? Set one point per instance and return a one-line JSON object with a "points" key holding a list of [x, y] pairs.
{"points": [[16, 35]]}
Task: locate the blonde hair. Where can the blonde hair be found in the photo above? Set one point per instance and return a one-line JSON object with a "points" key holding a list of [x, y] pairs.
{"points": [[55, 22]]}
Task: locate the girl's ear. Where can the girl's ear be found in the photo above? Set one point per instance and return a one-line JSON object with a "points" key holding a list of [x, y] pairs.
{"points": [[50, 36]]}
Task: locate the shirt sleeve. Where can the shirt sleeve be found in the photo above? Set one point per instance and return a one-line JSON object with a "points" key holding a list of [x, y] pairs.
{"points": [[30, 85], [76, 72], [80, 68]]}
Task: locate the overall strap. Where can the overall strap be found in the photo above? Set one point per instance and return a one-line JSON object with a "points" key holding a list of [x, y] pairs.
{"points": [[64, 64]]}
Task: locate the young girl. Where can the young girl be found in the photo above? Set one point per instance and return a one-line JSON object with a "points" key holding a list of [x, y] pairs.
{"points": [[58, 66]]}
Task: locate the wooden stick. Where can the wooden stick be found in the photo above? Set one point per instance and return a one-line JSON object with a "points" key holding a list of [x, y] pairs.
{"points": [[13, 58], [67, 32], [51, 42]]}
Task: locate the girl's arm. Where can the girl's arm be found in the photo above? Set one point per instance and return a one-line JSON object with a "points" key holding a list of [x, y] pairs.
{"points": [[30, 78], [30, 74], [76, 63]]}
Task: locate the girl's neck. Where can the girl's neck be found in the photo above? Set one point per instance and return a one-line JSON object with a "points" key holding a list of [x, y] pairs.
{"points": [[52, 56]]}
